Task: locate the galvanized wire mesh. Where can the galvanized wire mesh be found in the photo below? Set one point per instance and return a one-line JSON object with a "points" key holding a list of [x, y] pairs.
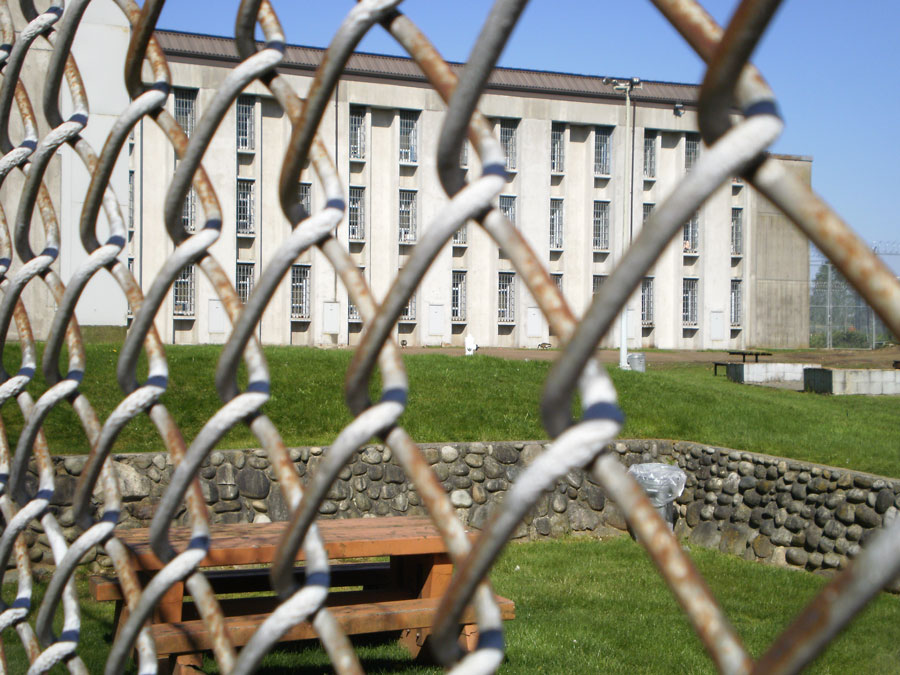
{"points": [[734, 149]]}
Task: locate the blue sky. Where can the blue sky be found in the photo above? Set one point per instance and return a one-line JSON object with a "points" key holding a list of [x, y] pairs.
{"points": [[832, 67]]}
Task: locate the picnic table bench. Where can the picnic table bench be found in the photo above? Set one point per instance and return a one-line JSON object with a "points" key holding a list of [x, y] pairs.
{"points": [[401, 593], [743, 353]]}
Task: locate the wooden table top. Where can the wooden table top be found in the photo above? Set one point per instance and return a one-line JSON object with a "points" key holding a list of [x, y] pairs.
{"points": [[256, 543]]}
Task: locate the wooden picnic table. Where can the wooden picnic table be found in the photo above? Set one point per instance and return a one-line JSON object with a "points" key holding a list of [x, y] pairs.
{"points": [[743, 353], [400, 594]]}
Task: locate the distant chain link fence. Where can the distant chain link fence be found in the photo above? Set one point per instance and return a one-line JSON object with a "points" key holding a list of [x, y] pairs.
{"points": [[734, 149], [839, 317]]}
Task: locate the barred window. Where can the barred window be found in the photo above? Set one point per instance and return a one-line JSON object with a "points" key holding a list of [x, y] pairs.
{"points": [[647, 301], [598, 282], [189, 211], [357, 132], [185, 100], [649, 154], [558, 280], [245, 189], [602, 151], [689, 302], [508, 208], [506, 300], [737, 231], [245, 122], [460, 237], [601, 226], [356, 214], [556, 224], [183, 292], [508, 141], [304, 192], [131, 199], [736, 309], [557, 147], [407, 216], [408, 136], [648, 209], [300, 291], [409, 311], [352, 310], [244, 280], [458, 296], [691, 150], [691, 243], [131, 270]]}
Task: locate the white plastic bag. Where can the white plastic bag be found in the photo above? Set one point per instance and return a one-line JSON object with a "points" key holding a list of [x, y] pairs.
{"points": [[663, 483]]}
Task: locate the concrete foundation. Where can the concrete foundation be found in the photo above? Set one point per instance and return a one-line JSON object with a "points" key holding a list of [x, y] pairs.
{"points": [[761, 373], [869, 382]]}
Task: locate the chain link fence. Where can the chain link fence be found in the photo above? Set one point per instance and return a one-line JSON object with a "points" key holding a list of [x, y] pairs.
{"points": [[839, 317], [29, 215]]}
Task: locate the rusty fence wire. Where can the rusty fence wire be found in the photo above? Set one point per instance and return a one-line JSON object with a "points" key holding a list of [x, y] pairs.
{"points": [[734, 149]]}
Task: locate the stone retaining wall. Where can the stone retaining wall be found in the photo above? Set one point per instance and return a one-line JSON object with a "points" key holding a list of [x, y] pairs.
{"points": [[756, 506]]}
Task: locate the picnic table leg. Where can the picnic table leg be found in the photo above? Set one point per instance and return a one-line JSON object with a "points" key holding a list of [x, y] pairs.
{"points": [[429, 577], [169, 610]]}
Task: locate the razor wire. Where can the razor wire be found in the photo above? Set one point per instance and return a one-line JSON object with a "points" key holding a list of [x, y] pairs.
{"points": [[733, 149]]}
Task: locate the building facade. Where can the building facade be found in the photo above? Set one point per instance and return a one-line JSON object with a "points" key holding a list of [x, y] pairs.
{"points": [[580, 184]]}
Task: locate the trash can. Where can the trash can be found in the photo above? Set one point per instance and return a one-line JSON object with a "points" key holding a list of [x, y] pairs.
{"points": [[637, 362], [663, 484]]}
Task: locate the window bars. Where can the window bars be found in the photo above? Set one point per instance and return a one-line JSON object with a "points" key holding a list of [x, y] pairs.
{"points": [[557, 147], [356, 214], [647, 302], [735, 144], [737, 231], [736, 309], [649, 154], [304, 196], [358, 133], [508, 130], [690, 242], [183, 292], [300, 291], [556, 224], [245, 123], [689, 294], [602, 151], [244, 280], [601, 226], [506, 297], [409, 140], [458, 296], [245, 206], [407, 217]]}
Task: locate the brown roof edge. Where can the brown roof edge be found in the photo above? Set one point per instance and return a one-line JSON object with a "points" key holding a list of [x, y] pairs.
{"points": [[176, 43], [795, 158]]}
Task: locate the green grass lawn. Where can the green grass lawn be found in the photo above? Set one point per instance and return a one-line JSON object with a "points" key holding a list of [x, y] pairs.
{"points": [[584, 605], [483, 398]]}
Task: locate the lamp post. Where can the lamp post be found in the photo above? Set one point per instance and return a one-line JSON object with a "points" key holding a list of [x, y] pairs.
{"points": [[628, 208]]}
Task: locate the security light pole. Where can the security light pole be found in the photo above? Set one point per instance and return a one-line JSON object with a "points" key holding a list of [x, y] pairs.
{"points": [[627, 209]]}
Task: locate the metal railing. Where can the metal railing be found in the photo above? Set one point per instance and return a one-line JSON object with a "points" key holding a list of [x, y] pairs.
{"points": [[732, 149]]}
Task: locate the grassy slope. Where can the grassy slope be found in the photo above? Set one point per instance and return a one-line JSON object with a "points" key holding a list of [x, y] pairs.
{"points": [[589, 606], [483, 398]]}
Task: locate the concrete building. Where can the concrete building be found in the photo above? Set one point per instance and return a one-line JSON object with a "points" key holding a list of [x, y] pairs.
{"points": [[580, 183]]}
